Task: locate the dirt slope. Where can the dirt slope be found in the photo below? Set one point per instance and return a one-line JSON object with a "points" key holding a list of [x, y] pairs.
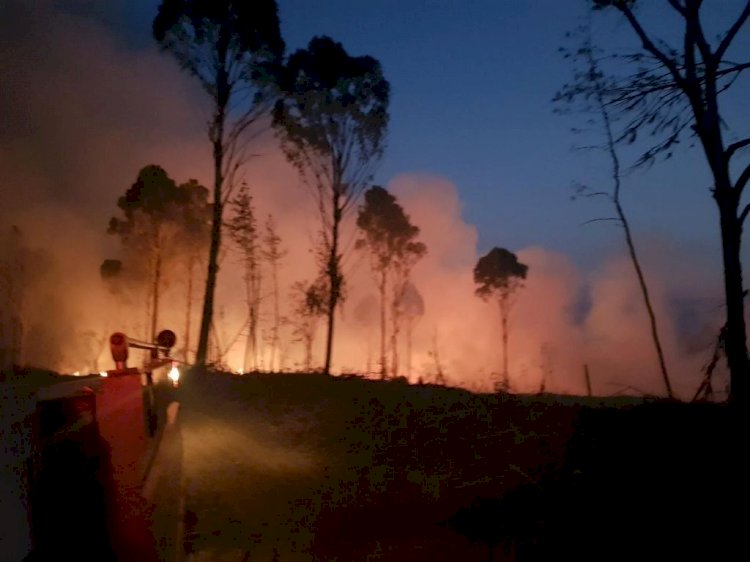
{"points": [[304, 467]]}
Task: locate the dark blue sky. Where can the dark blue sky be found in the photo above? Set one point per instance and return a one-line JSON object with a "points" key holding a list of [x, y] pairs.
{"points": [[472, 83], [89, 100]]}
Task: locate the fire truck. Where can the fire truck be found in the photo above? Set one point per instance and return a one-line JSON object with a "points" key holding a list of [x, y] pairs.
{"points": [[96, 463]]}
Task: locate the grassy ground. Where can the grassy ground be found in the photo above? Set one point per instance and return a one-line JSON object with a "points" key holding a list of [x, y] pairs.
{"points": [[307, 467]]}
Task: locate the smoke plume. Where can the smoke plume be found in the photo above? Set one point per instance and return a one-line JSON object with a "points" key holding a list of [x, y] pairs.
{"points": [[83, 113]]}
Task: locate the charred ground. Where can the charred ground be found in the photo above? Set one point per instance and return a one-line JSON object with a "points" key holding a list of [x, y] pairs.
{"points": [[300, 467]]}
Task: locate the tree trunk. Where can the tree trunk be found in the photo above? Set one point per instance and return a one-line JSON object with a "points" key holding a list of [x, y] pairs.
{"points": [[155, 289], [334, 279], [276, 319], [213, 254], [504, 327], [626, 226], [646, 298], [255, 318], [249, 362], [394, 341], [399, 290], [735, 343], [398, 295], [251, 342], [409, 330], [383, 281], [308, 349], [699, 82], [188, 307], [727, 199]]}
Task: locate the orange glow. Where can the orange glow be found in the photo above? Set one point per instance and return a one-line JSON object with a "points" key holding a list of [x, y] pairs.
{"points": [[174, 375]]}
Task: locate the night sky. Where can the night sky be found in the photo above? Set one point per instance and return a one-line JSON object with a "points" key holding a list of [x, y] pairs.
{"points": [[479, 158], [471, 85], [90, 99]]}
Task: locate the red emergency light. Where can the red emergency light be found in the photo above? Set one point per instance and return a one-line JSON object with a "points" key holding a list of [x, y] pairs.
{"points": [[118, 345]]}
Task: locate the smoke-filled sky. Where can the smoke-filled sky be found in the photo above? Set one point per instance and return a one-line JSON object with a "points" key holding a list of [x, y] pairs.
{"points": [[475, 154]]}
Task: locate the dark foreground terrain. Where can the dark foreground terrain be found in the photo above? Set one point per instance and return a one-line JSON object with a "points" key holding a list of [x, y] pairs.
{"points": [[306, 467]]}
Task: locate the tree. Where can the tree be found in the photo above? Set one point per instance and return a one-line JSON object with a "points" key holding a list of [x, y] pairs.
{"points": [[675, 90], [234, 50], [160, 221], [310, 303], [365, 313], [193, 244], [13, 285], [243, 229], [273, 254], [151, 224], [401, 280], [499, 275], [332, 119], [388, 236], [413, 309], [594, 102]]}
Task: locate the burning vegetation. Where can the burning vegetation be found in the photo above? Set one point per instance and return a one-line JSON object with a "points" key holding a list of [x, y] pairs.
{"points": [[279, 254], [496, 400]]}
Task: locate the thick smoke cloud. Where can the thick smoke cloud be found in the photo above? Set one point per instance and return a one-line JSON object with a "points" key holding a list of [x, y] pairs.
{"points": [[83, 113]]}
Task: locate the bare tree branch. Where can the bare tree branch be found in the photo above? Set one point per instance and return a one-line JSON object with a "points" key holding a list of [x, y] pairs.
{"points": [[735, 146], [693, 24], [731, 34], [677, 6], [743, 215], [695, 74], [604, 219], [741, 182], [649, 45], [737, 67]]}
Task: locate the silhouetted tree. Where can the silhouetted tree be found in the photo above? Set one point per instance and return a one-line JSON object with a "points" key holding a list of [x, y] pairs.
{"points": [[309, 304], [193, 245], [234, 50], [366, 313], [150, 227], [439, 375], [332, 120], [413, 309], [674, 89], [273, 254], [499, 275], [389, 237], [13, 255], [401, 281], [160, 221], [594, 103], [243, 229]]}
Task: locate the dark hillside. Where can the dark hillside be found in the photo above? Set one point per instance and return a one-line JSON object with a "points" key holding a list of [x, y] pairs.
{"points": [[306, 466]]}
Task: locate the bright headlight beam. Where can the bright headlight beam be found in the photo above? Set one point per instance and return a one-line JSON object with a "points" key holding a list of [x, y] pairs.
{"points": [[174, 374]]}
